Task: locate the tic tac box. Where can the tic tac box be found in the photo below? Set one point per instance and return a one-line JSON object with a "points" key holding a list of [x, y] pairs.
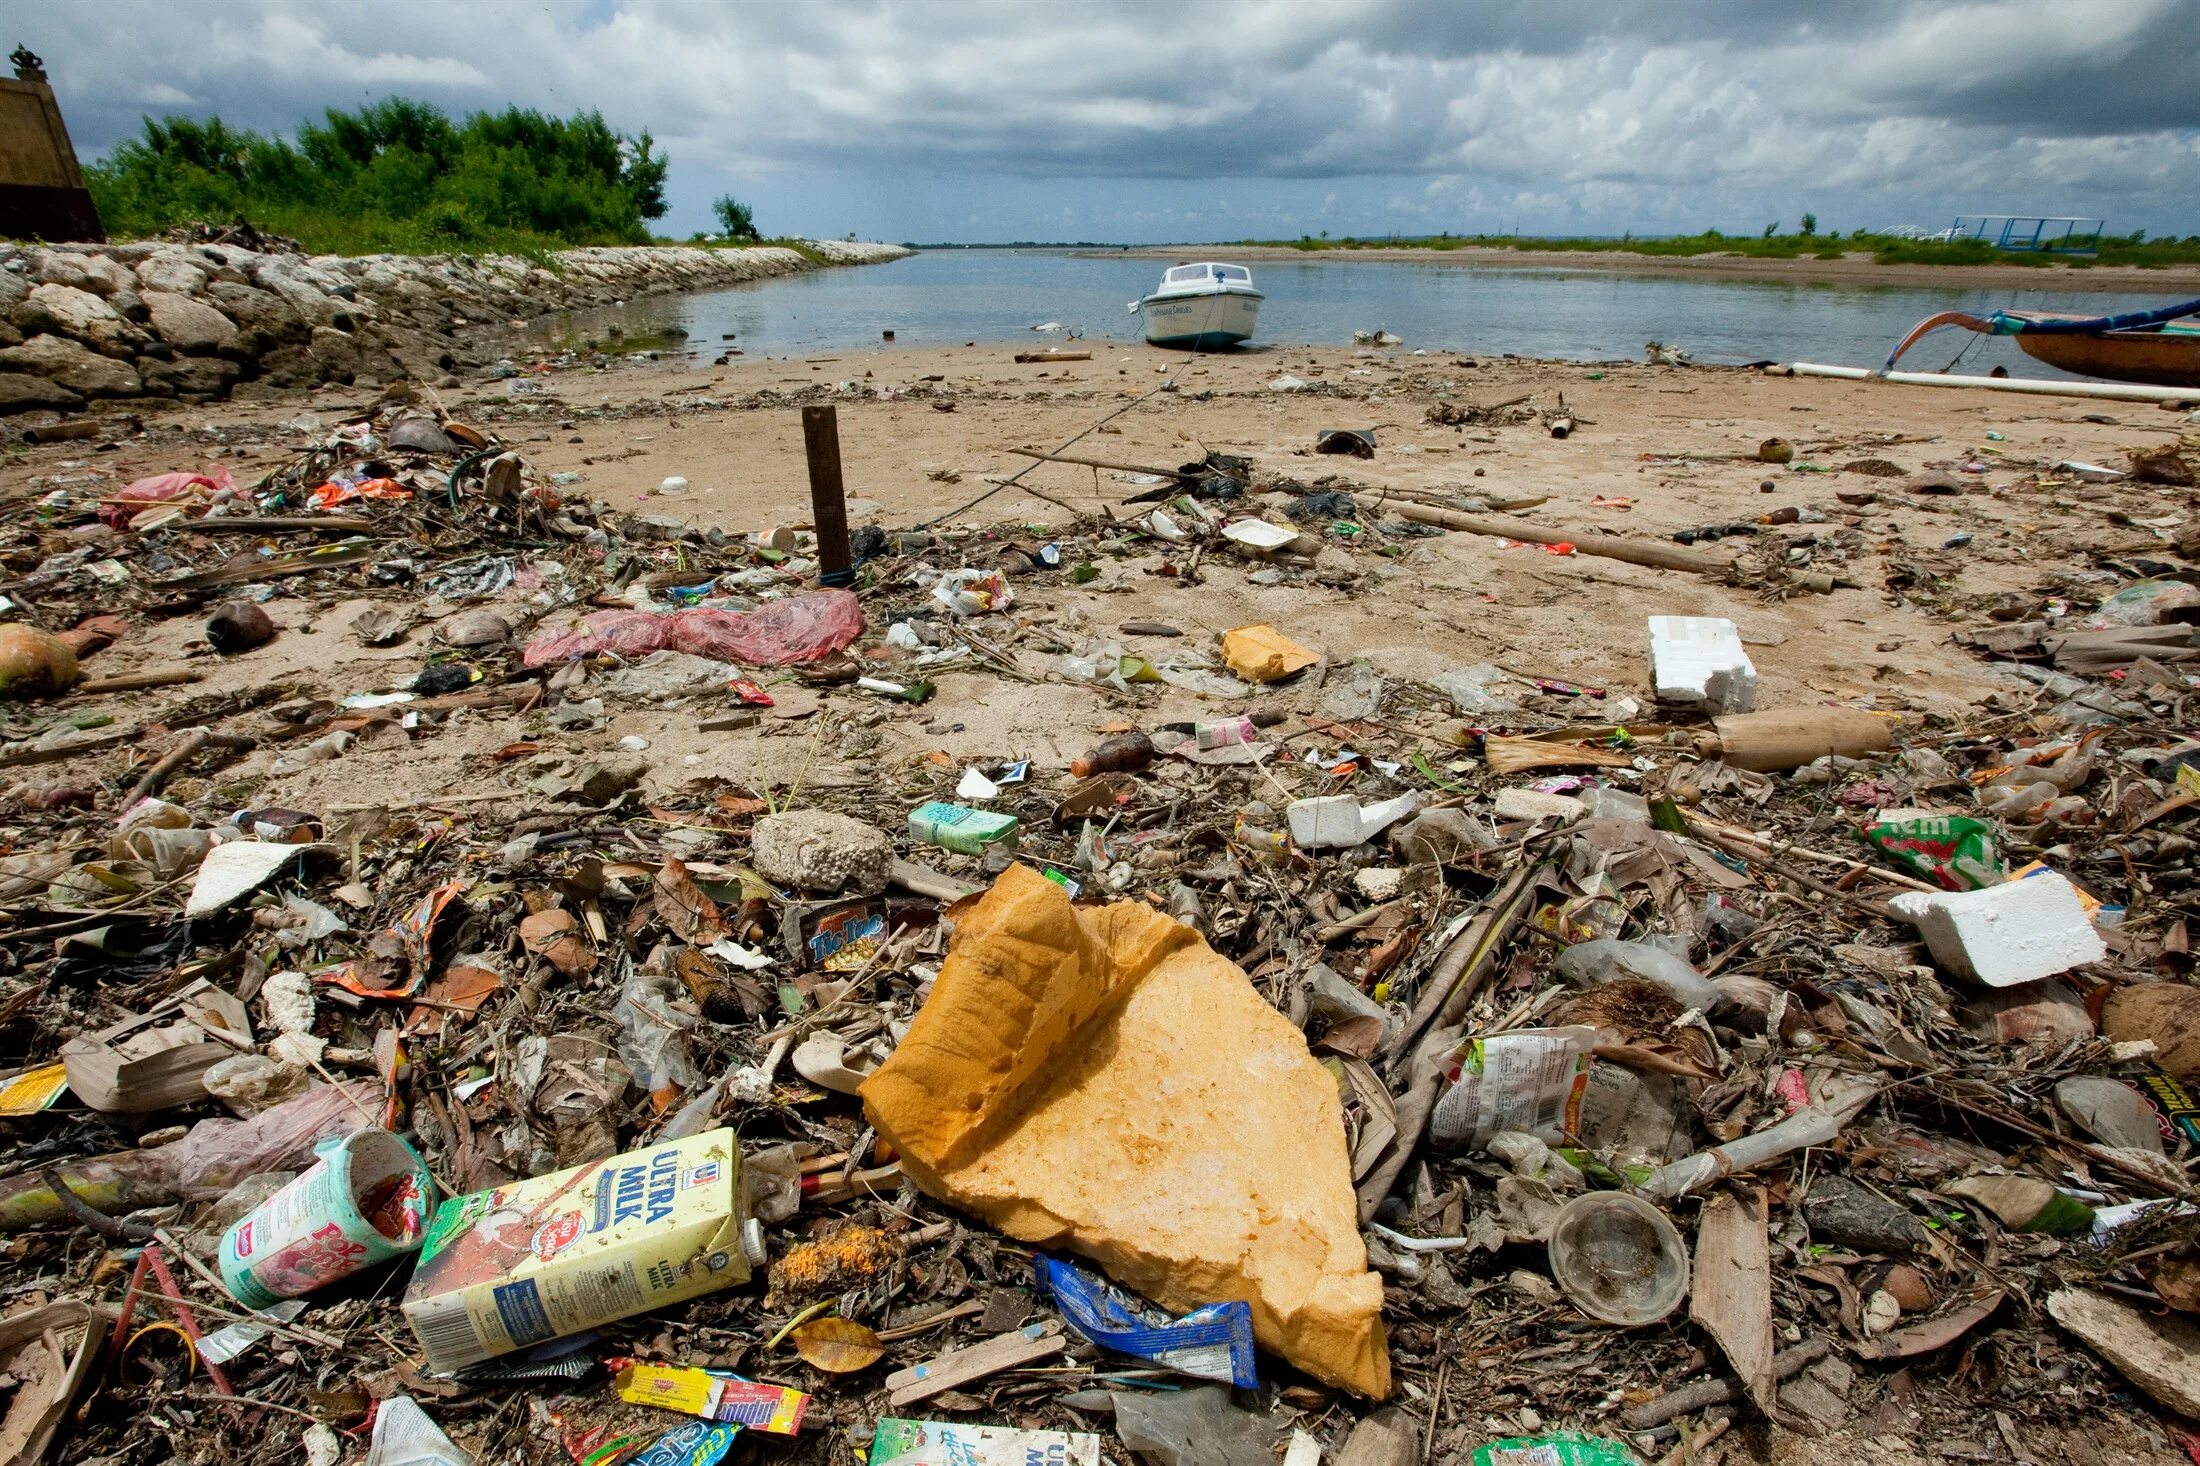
{"points": [[540, 1259]]}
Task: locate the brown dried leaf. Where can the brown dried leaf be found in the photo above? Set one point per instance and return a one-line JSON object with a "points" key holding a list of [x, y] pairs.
{"points": [[837, 1345], [554, 936], [681, 905]]}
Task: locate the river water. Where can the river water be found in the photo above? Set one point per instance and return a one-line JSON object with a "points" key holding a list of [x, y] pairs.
{"points": [[948, 297]]}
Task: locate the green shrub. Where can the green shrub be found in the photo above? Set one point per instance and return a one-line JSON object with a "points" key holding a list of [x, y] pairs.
{"points": [[394, 175]]}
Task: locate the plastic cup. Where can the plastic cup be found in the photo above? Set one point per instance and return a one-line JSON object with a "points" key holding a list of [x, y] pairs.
{"points": [[1618, 1258]]}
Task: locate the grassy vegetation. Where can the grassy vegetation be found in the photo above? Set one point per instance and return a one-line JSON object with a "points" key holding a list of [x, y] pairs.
{"points": [[396, 176], [1887, 249]]}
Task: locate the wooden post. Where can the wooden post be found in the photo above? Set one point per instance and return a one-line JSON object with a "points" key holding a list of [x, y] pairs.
{"points": [[828, 502]]}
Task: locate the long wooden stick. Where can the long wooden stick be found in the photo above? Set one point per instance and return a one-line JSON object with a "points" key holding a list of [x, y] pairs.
{"points": [[133, 681], [1093, 462], [1605, 546]]}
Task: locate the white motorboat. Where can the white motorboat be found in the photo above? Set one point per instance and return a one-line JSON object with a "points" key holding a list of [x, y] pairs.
{"points": [[1203, 307]]}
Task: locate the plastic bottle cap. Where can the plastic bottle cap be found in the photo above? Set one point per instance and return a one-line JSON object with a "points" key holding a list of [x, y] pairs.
{"points": [[752, 1243]]}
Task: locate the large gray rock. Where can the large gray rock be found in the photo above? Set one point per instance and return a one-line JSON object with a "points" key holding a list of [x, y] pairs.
{"points": [[13, 287], [94, 273], [816, 850], [190, 376], [177, 274], [261, 313], [67, 310], [20, 391], [191, 326], [74, 365], [337, 352]]}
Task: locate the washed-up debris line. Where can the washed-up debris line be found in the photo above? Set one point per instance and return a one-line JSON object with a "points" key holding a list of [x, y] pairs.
{"points": [[1456, 1069]]}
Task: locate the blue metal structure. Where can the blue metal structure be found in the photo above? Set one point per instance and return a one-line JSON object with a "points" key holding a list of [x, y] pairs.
{"points": [[2029, 232]]}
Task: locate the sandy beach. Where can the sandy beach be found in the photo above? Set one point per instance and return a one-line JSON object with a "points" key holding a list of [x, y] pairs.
{"points": [[1858, 268], [1656, 450]]}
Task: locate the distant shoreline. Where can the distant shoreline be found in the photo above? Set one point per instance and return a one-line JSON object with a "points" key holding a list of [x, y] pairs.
{"points": [[1853, 269]]}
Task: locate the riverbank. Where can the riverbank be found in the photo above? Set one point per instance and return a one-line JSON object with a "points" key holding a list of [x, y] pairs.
{"points": [[1859, 268], [80, 323]]}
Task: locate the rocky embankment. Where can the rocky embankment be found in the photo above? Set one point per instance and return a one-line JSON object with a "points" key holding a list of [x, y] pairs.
{"points": [[192, 321]]}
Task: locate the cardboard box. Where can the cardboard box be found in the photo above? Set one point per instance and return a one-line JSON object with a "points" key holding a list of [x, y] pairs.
{"points": [[540, 1259]]}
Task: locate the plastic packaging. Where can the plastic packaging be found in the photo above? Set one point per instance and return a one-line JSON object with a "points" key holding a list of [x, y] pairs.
{"points": [[213, 1157], [160, 489], [973, 592], [653, 1036], [960, 828], [1956, 852], [1214, 1342], [366, 1200], [405, 1436], [1618, 1259], [1124, 753], [953, 1443], [1594, 963], [713, 1394], [800, 628]]}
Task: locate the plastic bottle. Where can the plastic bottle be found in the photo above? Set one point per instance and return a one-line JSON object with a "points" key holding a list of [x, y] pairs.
{"points": [[1595, 963], [1124, 753]]}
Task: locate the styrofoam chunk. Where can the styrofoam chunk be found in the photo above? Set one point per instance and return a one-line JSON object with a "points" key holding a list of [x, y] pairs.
{"points": [[1534, 804], [1698, 661], [2016, 932]]}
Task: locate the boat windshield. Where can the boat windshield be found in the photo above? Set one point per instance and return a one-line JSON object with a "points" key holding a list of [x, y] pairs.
{"points": [[1182, 274]]}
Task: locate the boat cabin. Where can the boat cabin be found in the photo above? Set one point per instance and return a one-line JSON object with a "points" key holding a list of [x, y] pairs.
{"points": [[1200, 274]]}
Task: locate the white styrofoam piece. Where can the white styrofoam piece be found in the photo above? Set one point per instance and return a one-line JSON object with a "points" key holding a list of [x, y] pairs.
{"points": [[1329, 822], [1699, 661], [1259, 534], [2016, 932], [1336, 821], [236, 869], [1534, 804]]}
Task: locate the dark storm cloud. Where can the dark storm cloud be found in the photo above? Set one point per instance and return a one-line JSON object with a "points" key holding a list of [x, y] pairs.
{"points": [[1595, 110]]}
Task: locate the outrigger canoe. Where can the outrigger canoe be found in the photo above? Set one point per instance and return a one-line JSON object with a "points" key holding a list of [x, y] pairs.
{"points": [[2161, 347]]}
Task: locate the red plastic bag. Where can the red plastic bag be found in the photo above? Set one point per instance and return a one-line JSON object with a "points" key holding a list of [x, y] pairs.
{"points": [[159, 489], [799, 629]]}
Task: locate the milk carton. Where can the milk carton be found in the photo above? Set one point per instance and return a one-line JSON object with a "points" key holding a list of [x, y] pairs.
{"points": [[540, 1259]]}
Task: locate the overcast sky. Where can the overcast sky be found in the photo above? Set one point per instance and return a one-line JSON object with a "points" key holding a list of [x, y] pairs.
{"points": [[1188, 120]]}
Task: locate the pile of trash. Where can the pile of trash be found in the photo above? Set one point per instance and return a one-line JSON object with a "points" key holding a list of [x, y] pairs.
{"points": [[1486, 1069]]}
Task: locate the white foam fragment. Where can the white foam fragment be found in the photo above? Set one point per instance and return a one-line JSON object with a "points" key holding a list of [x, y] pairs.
{"points": [[2016, 932], [1698, 661]]}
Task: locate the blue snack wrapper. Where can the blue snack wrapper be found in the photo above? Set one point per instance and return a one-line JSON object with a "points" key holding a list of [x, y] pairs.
{"points": [[701, 1443], [1214, 1342]]}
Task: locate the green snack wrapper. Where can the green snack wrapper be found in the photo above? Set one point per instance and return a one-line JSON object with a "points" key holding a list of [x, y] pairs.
{"points": [[1952, 850]]}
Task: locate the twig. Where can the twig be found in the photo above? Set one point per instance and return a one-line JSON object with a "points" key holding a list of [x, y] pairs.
{"points": [[91, 1216]]}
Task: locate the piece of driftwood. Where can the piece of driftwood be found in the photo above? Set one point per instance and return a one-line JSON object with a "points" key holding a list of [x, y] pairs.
{"points": [[1688, 1399], [1731, 1294], [961, 1366], [1606, 546], [136, 681]]}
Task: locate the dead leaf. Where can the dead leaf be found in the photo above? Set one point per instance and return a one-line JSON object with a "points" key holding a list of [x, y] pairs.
{"points": [[837, 1345], [554, 936], [684, 909]]}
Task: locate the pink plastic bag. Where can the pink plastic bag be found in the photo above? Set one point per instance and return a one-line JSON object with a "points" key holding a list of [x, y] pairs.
{"points": [[159, 489], [799, 629]]}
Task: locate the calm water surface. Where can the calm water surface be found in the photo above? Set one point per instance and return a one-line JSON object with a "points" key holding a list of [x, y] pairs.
{"points": [[948, 297]]}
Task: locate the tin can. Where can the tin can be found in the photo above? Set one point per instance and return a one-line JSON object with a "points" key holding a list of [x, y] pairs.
{"points": [[366, 1200]]}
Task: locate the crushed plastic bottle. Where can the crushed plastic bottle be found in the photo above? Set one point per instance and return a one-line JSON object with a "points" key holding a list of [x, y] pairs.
{"points": [[1605, 960]]}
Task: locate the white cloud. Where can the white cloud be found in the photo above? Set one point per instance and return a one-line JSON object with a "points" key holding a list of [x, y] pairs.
{"points": [[1597, 115]]}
